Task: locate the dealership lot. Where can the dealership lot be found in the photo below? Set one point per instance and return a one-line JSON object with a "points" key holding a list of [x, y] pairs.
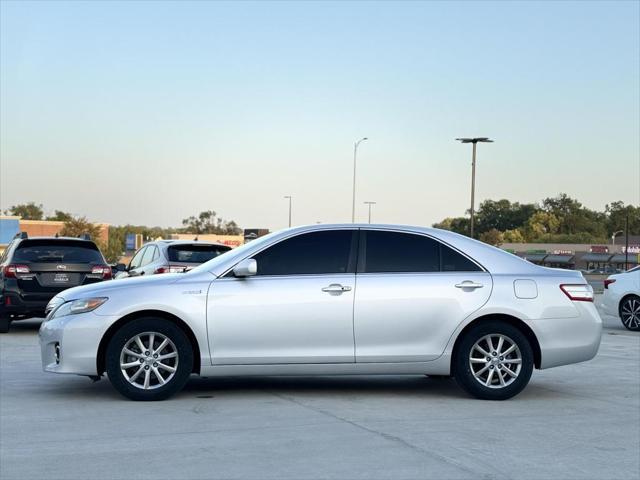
{"points": [[577, 421]]}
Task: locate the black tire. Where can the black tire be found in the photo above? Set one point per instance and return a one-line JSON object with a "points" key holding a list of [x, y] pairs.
{"points": [[465, 377], [183, 361], [630, 320], [5, 324]]}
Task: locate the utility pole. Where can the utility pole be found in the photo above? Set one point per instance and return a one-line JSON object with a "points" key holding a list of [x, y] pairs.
{"points": [[474, 141], [289, 197], [355, 155]]}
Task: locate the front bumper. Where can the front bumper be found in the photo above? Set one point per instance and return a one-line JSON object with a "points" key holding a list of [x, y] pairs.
{"points": [[77, 338]]}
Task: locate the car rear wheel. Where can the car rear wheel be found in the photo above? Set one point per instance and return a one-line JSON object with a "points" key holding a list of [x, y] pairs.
{"points": [[149, 359], [630, 313], [494, 361]]}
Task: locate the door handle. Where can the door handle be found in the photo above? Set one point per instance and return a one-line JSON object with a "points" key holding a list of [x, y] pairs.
{"points": [[336, 288], [469, 284]]}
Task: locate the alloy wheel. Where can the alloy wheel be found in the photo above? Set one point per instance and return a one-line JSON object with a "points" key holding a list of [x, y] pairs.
{"points": [[495, 361], [630, 313], [149, 360]]}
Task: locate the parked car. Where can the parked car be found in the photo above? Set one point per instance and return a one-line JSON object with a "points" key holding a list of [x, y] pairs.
{"points": [[33, 270], [622, 298], [170, 256], [330, 300]]}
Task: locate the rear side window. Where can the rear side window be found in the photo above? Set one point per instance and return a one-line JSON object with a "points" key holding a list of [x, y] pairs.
{"points": [[452, 261], [307, 254], [394, 252], [195, 253], [58, 251]]}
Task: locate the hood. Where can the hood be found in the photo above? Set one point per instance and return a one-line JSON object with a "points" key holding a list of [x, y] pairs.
{"points": [[103, 288]]}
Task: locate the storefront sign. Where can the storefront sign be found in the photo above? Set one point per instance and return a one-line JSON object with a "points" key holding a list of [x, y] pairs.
{"points": [[563, 252], [632, 249], [599, 249]]}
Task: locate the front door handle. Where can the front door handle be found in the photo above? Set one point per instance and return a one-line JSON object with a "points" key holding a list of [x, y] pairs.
{"points": [[469, 284], [336, 288]]}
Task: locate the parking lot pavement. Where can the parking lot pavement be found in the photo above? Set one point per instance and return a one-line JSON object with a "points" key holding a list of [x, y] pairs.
{"points": [[579, 421]]}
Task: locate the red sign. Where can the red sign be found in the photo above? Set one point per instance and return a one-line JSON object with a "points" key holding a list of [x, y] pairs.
{"points": [[599, 249]]}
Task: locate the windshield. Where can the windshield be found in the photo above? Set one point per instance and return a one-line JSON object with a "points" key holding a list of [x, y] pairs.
{"points": [[211, 264], [60, 251], [194, 253]]}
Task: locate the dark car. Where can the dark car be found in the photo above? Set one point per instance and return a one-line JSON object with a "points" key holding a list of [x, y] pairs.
{"points": [[170, 256], [33, 270]]}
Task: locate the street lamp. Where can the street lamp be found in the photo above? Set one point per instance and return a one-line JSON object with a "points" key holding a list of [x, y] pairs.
{"points": [[613, 237], [289, 197], [355, 155], [369, 204], [473, 169]]}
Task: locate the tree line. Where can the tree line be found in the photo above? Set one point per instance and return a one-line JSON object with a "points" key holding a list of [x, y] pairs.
{"points": [[560, 219], [204, 223]]}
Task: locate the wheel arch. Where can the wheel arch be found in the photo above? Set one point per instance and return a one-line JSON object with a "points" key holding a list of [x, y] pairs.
{"points": [[108, 335], [509, 319]]}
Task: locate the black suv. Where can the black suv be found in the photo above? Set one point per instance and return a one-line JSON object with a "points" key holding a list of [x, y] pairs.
{"points": [[34, 270]]}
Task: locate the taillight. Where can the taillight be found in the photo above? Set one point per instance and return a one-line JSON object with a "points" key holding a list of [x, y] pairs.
{"points": [[170, 269], [103, 270], [10, 271], [608, 282], [578, 292]]}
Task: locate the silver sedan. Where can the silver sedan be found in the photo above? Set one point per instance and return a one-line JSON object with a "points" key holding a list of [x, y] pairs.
{"points": [[330, 300]]}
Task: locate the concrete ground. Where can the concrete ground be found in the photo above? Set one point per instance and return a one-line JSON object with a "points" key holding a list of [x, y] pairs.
{"points": [[580, 421]]}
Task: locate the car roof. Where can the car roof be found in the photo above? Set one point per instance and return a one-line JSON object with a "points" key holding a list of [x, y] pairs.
{"points": [[186, 242], [53, 239]]}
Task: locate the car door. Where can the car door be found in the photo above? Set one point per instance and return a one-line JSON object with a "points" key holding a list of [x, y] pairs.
{"points": [[298, 308], [412, 292]]}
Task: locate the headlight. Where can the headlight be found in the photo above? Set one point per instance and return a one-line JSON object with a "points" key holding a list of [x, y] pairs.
{"points": [[78, 306]]}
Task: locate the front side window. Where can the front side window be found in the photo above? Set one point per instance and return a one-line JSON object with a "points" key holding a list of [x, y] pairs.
{"points": [[149, 255], [394, 252], [137, 259], [308, 254]]}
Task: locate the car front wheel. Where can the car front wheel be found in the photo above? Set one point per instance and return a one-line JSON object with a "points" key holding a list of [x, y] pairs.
{"points": [[149, 359], [494, 361], [630, 313]]}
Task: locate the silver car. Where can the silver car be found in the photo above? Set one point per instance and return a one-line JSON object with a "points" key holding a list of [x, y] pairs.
{"points": [[169, 256], [330, 300]]}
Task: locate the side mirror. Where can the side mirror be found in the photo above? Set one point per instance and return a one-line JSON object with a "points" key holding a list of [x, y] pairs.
{"points": [[120, 267], [246, 268]]}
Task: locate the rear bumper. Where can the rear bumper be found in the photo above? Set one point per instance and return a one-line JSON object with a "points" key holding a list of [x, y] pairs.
{"points": [[569, 340], [610, 303], [15, 305]]}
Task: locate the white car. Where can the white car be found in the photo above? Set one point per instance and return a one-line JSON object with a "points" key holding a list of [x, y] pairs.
{"points": [[622, 298], [330, 300]]}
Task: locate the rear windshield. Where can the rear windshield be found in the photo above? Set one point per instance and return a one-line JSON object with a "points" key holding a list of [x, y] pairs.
{"points": [[195, 253], [57, 251]]}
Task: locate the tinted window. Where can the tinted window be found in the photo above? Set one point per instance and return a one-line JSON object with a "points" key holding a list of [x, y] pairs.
{"points": [[400, 252], [136, 261], [452, 261], [195, 253], [57, 251], [310, 253]]}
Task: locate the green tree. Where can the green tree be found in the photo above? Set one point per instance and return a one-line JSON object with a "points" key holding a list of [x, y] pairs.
{"points": [[617, 214], [541, 223], [78, 226], [513, 236], [576, 219], [208, 222], [457, 224], [60, 216], [503, 215], [492, 237], [27, 211]]}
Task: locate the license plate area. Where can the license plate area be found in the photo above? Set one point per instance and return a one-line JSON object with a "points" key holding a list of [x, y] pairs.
{"points": [[59, 279]]}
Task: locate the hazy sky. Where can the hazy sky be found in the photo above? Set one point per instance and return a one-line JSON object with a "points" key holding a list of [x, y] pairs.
{"points": [[149, 112]]}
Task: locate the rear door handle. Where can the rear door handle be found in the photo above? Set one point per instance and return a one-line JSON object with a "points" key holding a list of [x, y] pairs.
{"points": [[469, 284], [336, 288]]}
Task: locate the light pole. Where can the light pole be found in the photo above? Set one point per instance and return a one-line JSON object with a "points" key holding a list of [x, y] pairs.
{"points": [[289, 197], [355, 155], [473, 170], [613, 237], [369, 204]]}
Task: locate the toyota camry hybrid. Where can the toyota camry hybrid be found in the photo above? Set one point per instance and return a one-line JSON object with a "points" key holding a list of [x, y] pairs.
{"points": [[330, 300]]}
